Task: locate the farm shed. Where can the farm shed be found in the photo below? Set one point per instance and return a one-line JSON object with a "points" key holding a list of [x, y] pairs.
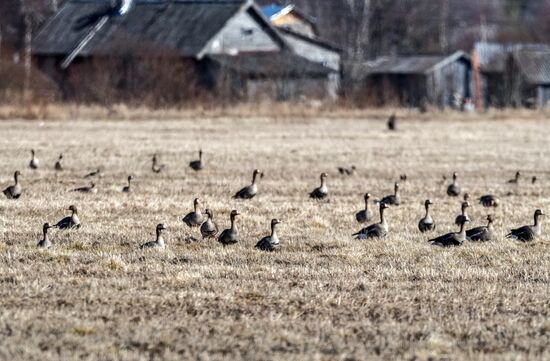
{"points": [[529, 78], [419, 79], [90, 43]]}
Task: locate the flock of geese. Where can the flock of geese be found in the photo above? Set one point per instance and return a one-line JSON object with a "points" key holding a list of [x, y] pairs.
{"points": [[209, 229]]}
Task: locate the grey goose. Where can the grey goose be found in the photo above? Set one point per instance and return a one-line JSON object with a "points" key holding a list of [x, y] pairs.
{"points": [[452, 239], [489, 200], [528, 233], [209, 228], [230, 235], [270, 243], [59, 163], [392, 122], [347, 171], [250, 191], [320, 192], [45, 241], [94, 173], [482, 233], [156, 167], [463, 214], [197, 165], [534, 179], [515, 180], [377, 230], [393, 199], [14, 191], [426, 224], [194, 218], [364, 215], [453, 190], [87, 189], [34, 163], [158, 243], [69, 222], [128, 188]]}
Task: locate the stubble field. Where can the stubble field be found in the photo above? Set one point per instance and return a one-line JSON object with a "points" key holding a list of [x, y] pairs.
{"points": [[325, 296]]}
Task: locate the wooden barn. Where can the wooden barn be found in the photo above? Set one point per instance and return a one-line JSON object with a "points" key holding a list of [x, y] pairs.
{"points": [[418, 80], [178, 48], [528, 78]]}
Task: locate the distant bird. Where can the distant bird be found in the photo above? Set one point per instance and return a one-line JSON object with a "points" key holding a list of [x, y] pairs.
{"points": [[466, 197], [158, 243], [95, 173], [231, 235], [14, 191], [250, 191], [347, 171], [534, 180], [320, 192], [489, 200], [270, 243], [515, 180], [483, 233], [128, 188], [393, 199], [452, 239], [392, 122], [59, 163], [364, 215], [156, 167], [463, 215], [377, 230], [45, 241], [195, 218], [209, 229], [403, 177], [427, 224], [34, 163], [197, 165], [453, 190], [528, 233], [88, 189], [70, 222]]}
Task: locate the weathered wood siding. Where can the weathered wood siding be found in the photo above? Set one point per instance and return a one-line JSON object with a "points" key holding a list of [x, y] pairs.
{"points": [[543, 95], [314, 52], [443, 83]]}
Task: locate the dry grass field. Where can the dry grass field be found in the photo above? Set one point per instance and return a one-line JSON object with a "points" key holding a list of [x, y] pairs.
{"points": [[325, 296]]}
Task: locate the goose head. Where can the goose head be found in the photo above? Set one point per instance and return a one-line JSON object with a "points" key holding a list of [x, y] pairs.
{"points": [[367, 197], [396, 187], [275, 222], [45, 227], [234, 213], [160, 228], [466, 196], [130, 178], [32, 152], [73, 209], [490, 218], [196, 203], [428, 203], [465, 205], [60, 156], [455, 176], [16, 175], [539, 213], [209, 213]]}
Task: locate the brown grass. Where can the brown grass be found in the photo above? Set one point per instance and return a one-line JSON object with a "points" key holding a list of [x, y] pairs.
{"points": [[324, 296]]}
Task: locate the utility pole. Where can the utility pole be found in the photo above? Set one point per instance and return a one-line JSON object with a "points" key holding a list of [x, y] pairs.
{"points": [[27, 47], [443, 42]]}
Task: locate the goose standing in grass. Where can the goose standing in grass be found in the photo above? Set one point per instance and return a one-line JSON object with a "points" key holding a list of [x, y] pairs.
{"points": [[453, 190], [528, 233], [403, 177], [393, 199], [70, 222], [270, 243], [45, 241], [452, 239], [347, 171], [231, 235], [466, 197], [427, 223], [14, 191], [534, 179], [158, 243], [364, 215], [95, 173], [489, 200], [197, 165], [128, 188], [209, 228], [483, 233], [34, 163], [377, 230], [59, 163], [463, 215], [392, 122], [515, 180], [195, 218], [320, 192], [250, 191], [88, 189], [156, 167]]}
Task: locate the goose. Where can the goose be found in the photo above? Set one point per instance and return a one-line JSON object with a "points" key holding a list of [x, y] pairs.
{"points": [[528, 233], [462, 215], [393, 199], [14, 191], [483, 233], [156, 167], [403, 177], [59, 163], [489, 200], [195, 218], [452, 239], [347, 171], [34, 163], [270, 243], [128, 188], [392, 122], [89, 189], [231, 235], [515, 180], [209, 229], [453, 190], [364, 215], [159, 242], [427, 223], [95, 173], [466, 197], [45, 241], [320, 192], [534, 179], [377, 230], [250, 191], [70, 222], [197, 165]]}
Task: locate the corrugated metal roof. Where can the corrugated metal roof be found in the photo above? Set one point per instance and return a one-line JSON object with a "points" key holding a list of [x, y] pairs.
{"points": [[492, 56], [534, 65], [416, 64]]}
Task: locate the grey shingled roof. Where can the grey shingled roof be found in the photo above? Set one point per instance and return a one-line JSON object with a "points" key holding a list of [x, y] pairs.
{"points": [[493, 56], [415, 64], [534, 65], [183, 26]]}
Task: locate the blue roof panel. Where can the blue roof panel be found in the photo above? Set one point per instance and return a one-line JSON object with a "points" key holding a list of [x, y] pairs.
{"points": [[272, 9]]}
